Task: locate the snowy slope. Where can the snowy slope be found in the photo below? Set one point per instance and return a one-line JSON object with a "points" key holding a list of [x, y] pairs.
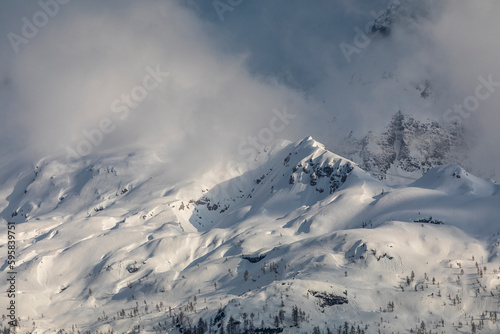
{"points": [[109, 242]]}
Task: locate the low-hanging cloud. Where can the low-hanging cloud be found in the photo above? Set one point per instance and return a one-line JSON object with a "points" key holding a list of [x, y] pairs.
{"points": [[225, 77], [78, 77]]}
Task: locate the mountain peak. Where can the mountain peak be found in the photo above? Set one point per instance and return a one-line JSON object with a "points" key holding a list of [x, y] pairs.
{"points": [[301, 173], [301, 225], [406, 149], [309, 142]]}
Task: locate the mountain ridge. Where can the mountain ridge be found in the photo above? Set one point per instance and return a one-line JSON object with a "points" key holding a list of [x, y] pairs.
{"points": [[112, 236], [407, 149]]}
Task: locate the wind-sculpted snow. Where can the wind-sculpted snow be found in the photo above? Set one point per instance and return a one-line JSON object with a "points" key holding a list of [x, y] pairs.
{"points": [[306, 239]]}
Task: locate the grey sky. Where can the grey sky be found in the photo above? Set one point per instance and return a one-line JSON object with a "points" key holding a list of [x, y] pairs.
{"points": [[227, 76]]}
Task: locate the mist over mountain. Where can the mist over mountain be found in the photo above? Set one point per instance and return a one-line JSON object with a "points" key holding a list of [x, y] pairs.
{"points": [[408, 148], [331, 64], [307, 241], [246, 167]]}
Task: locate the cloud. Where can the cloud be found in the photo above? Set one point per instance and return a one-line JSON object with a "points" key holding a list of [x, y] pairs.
{"points": [[226, 77], [464, 40], [67, 80]]}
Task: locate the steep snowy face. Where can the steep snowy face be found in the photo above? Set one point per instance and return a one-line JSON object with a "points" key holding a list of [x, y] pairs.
{"points": [[301, 174], [307, 238], [407, 149]]}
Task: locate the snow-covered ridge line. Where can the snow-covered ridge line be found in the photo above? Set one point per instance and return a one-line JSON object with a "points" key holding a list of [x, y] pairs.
{"points": [[307, 239]]}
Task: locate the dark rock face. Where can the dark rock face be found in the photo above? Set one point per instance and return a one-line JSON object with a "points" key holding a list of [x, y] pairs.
{"points": [[266, 330], [383, 24], [429, 220], [407, 144], [336, 173], [253, 259], [328, 299]]}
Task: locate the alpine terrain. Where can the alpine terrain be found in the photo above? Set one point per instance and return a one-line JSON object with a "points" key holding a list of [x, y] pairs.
{"points": [[307, 242]]}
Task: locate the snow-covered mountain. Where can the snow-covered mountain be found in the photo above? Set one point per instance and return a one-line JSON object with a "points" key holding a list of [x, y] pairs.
{"points": [[306, 242], [407, 149]]}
